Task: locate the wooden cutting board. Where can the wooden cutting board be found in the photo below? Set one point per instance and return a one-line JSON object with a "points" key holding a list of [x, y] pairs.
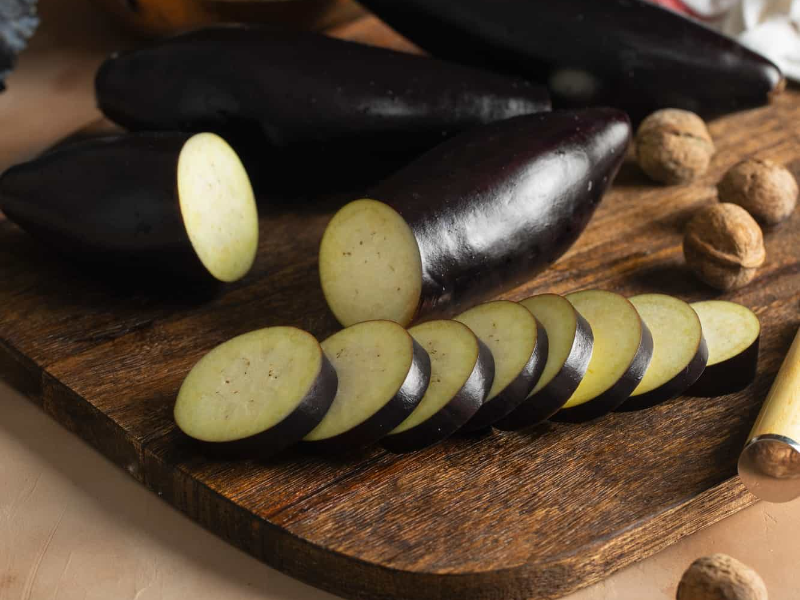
{"points": [[517, 515]]}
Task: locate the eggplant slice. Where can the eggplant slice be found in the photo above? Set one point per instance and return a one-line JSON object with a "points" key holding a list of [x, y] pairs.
{"points": [[623, 347], [732, 333], [153, 202], [257, 393], [383, 374], [474, 217], [569, 350], [462, 371], [518, 343], [679, 350]]}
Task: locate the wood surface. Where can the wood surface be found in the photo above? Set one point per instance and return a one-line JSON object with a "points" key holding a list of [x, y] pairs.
{"points": [[504, 515]]}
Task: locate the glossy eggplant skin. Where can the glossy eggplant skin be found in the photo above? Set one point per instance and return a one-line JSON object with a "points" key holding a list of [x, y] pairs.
{"points": [[495, 206], [111, 201], [303, 92], [630, 54], [464, 405], [394, 412], [729, 376]]}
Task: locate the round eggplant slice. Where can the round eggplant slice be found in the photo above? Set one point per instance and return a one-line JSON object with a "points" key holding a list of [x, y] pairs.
{"points": [[383, 374], [518, 343], [153, 202], [732, 333], [569, 349], [679, 350], [257, 393], [462, 371], [623, 347]]}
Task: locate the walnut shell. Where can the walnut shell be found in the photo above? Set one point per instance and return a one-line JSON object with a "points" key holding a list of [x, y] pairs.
{"points": [[724, 246], [720, 577], [674, 146], [766, 190]]}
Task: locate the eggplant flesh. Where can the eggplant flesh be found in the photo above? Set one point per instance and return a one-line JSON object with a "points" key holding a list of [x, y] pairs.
{"points": [[480, 214], [630, 54], [165, 203], [304, 92]]}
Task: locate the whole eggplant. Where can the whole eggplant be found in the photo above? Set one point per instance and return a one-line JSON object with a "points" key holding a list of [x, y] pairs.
{"points": [[304, 92], [630, 54], [154, 203], [476, 216]]}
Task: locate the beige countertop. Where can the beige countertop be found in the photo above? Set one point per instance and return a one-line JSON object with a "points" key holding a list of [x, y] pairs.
{"points": [[73, 526]]}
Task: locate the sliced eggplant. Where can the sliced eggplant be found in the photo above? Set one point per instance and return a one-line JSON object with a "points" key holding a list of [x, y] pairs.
{"points": [[679, 350], [569, 350], [518, 344], [304, 91], [476, 216], [258, 393], [623, 348], [154, 202], [462, 372], [630, 54], [383, 374], [732, 333]]}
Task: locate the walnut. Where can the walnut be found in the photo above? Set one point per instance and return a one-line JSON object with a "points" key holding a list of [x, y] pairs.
{"points": [[766, 190], [720, 577], [673, 146], [724, 246]]}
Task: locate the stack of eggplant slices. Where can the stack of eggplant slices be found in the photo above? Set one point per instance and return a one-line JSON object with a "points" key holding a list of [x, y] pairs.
{"points": [[495, 187]]}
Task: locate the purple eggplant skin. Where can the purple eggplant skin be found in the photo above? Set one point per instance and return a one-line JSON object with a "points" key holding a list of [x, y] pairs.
{"points": [[464, 405], [305, 417], [729, 376], [304, 92], [394, 412], [630, 54], [110, 202], [549, 400], [495, 206]]}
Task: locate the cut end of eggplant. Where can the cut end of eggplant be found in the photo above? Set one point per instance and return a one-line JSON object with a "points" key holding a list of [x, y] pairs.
{"points": [[218, 206], [569, 350], [732, 333], [383, 374], [679, 350], [271, 386], [369, 265], [622, 351]]}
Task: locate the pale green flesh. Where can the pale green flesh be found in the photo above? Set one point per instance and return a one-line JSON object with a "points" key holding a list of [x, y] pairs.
{"points": [[676, 333], [372, 360], [369, 265], [728, 328], [453, 350], [557, 316], [248, 384], [617, 331], [218, 206], [509, 330]]}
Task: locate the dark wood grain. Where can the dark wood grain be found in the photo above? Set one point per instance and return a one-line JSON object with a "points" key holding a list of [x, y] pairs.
{"points": [[505, 515]]}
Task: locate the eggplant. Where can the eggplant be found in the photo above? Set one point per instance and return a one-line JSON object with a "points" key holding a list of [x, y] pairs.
{"points": [[518, 344], [159, 203], [303, 94], [630, 54], [383, 374], [570, 342], [732, 333], [18, 22], [257, 393], [680, 352], [462, 372], [622, 351], [478, 215]]}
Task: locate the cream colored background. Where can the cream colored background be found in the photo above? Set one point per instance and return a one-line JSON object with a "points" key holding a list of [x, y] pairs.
{"points": [[73, 526]]}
